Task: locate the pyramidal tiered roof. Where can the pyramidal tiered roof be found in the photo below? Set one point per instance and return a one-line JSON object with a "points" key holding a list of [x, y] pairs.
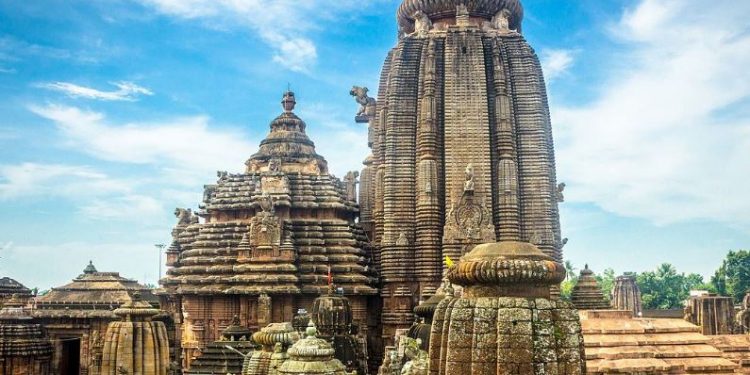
{"points": [[587, 295], [92, 294], [276, 228]]}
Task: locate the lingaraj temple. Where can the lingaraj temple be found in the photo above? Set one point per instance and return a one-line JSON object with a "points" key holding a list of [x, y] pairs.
{"points": [[442, 256]]}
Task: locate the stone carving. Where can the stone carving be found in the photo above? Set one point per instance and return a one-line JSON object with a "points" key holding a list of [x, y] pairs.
{"points": [[184, 216], [422, 23], [501, 21], [417, 359], [222, 175], [274, 165], [743, 317], [208, 192], [265, 229], [367, 105], [402, 240], [469, 183], [264, 309], [350, 180], [559, 193], [462, 15]]}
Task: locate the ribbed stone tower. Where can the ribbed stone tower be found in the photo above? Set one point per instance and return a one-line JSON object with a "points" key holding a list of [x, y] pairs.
{"points": [[505, 321], [462, 150], [626, 295], [137, 344]]}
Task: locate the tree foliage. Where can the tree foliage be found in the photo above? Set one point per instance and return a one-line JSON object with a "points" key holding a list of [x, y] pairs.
{"points": [[733, 277], [665, 288]]}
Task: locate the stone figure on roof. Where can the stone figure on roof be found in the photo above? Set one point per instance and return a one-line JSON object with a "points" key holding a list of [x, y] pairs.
{"points": [[559, 193], [501, 21], [422, 23], [367, 104], [183, 215]]}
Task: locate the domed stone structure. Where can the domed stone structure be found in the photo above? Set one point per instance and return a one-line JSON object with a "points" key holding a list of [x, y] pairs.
{"points": [[267, 240], [587, 295], [275, 339], [312, 356], [505, 322], [332, 317], [136, 344], [24, 345], [462, 148]]}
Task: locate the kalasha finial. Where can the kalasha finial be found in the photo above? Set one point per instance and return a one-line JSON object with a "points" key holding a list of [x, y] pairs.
{"points": [[288, 101]]}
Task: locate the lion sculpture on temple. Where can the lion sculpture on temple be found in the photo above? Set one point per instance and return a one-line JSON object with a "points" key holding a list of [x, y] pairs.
{"points": [[366, 103]]}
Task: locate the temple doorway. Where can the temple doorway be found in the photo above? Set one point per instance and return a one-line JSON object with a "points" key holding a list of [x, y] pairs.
{"points": [[70, 360]]}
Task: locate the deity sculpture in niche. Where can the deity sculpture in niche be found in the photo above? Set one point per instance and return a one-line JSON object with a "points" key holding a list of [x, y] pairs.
{"points": [[468, 220], [265, 229]]}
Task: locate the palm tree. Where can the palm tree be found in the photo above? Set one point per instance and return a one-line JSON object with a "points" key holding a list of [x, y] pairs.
{"points": [[570, 270]]}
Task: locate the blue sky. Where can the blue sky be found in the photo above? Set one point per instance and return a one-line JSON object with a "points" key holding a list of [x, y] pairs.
{"points": [[116, 112]]}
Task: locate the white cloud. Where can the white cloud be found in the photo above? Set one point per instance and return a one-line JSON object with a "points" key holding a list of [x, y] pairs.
{"points": [[663, 142], [282, 24], [183, 146], [126, 91], [32, 179], [556, 62], [124, 208], [7, 70]]}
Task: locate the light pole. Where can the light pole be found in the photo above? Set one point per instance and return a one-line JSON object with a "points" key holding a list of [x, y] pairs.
{"points": [[160, 247]]}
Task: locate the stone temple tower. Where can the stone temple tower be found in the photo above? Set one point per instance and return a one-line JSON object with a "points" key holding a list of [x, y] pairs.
{"points": [[462, 150]]}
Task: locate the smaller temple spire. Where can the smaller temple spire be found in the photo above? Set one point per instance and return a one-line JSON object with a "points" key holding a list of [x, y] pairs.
{"points": [[90, 268]]}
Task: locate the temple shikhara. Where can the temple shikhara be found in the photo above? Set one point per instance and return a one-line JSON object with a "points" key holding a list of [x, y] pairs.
{"points": [[442, 256]]}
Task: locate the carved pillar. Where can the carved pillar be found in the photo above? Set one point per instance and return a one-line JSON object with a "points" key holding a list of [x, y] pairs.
{"points": [[428, 234], [507, 209]]}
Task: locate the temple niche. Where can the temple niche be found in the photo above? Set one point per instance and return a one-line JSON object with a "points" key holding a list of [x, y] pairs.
{"points": [[266, 242], [462, 149]]}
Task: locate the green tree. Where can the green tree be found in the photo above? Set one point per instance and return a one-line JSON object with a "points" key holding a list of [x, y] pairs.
{"points": [[571, 278], [606, 282], [665, 288], [733, 277]]}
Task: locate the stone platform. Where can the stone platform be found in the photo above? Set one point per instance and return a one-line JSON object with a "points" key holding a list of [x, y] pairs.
{"points": [[735, 348], [617, 343]]}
